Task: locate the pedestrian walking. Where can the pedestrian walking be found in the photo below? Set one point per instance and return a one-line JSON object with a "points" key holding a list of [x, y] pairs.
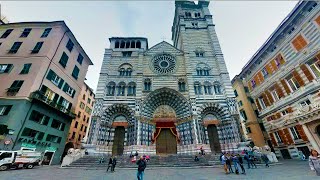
{"points": [[110, 164], [141, 167], [114, 163], [246, 157], [235, 162], [251, 160], [228, 162], [314, 161], [223, 160], [241, 164], [265, 159]]}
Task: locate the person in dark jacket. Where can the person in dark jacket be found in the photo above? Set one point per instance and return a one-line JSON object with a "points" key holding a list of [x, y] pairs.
{"points": [[110, 164], [114, 163], [141, 167], [241, 164], [228, 162]]}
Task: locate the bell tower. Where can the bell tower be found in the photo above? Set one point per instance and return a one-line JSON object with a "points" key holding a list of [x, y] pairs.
{"points": [[193, 32]]}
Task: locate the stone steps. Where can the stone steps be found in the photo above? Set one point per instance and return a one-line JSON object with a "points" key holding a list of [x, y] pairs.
{"points": [[92, 162]]}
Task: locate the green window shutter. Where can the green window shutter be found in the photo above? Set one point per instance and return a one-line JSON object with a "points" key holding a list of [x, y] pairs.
{"points": [[14, 84], [8, 69], [50, 75], [60, 83], [73, 93], [65, 87], [20, 84], [8, 108]]}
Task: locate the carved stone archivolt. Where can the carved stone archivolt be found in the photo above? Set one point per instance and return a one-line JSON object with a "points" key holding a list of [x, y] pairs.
{"points": [[117, 110], [165, 98]]}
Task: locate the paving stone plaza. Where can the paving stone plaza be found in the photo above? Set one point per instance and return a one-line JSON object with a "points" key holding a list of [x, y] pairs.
{"points": [[289, 169]]}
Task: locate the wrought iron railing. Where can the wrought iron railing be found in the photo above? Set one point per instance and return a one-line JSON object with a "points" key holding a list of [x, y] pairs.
{"points": [[41, 97]]}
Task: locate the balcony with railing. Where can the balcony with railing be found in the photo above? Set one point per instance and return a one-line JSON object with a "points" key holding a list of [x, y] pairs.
{"points": [[39, 96]]}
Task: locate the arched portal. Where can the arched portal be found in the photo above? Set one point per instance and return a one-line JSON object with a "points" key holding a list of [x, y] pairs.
{"points": [[211, 115], [119, 118], [165, 107]]}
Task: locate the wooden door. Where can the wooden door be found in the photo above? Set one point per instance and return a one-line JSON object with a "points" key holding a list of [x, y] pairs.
{"points": [[118, 141], [166, 142], [213, 138]]}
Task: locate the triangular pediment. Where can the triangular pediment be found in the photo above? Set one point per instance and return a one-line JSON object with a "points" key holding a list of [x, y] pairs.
{"points": [[163, 47]]}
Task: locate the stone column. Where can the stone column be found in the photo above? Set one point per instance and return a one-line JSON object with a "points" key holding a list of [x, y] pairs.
{"points": [[138, 133], [195, 132], [310, 137]]}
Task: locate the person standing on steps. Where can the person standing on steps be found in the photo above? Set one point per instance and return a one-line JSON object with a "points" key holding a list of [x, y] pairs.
{"points": [[246, 157], [228, 162], [110, 164], [141, 167], [314, 161], [241, 164], [223, 160], [265, 159], [251, 160], [235, 161]]}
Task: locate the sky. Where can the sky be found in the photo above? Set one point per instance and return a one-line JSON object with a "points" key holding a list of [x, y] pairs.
{"points": [[242, 26]]}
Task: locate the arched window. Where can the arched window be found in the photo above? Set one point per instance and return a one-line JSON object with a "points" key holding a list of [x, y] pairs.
{"points": [[111, 87], [128, 72], [133, 44], [138, 44], [217, 88], [122, 71], [147, 85], [206, 71], [121, 89], [117, 44], [131, 89], [198, 71], [182, 86], [197, 88], [128, 44], [207, 88], [122, 44]]}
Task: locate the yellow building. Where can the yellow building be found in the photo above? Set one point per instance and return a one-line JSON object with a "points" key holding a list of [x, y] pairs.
{"points": [[254, 129]]}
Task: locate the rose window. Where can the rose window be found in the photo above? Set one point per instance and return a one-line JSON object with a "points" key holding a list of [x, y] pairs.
{"points": [[164, 64]]}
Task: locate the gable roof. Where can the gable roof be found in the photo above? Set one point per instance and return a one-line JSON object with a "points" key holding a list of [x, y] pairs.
{"points": [[163, 47]]}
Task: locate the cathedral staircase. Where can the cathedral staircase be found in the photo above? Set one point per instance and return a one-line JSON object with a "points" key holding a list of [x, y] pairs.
{"points": [[92, 162]]}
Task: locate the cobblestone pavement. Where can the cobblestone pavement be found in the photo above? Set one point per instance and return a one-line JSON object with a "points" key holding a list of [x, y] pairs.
{"points": [[290, 169]]}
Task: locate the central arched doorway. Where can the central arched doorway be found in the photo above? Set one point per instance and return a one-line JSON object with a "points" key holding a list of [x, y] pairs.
{"points": [[165, 108], [119, 135], [166, 140]]}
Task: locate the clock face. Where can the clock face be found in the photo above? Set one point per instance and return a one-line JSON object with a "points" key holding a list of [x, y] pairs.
{"points": [[163, 64]]}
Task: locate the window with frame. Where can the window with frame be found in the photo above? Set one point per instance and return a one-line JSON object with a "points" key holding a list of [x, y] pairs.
{"points": [[64, 59], [15, 47], [37, 47], [243, 114], [217, 89], [82, 105], [293, 83], [75, 72], [253, 83], [246, 89], [275, 95], [15, 87], [111, 88], [182, 86], [88, 100], [261, 101], [31, 133], [295, 133], [80, 59], [76, 124], [317, 20], [240, 103], [55, 79], [5, 109], [70, 45], [6, 34], [235, 93], [299, 42], [25, 32], [305, 103], [53, 138], [131, 89], [46, 32], [249, 130], [264, 72], [278, 138], [69, 90], [194, 24], [207, 88], [284, 112], [26, 68], [314, 66], [251, 100], [39, 118], [5, 68], [147, 85], [199, 54], [56, 124], [197, 88], [121, 89]]}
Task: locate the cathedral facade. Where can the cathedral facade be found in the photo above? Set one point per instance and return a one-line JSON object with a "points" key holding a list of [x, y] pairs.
{"points": [[166, 99]]}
